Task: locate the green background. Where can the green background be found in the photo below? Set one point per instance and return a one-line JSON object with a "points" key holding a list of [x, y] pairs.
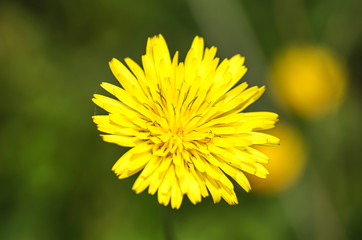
{"points": [[55, 171]]}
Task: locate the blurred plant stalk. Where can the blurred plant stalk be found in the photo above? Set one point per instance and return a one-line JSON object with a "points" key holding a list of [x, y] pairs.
{"points": [[226, 24]]}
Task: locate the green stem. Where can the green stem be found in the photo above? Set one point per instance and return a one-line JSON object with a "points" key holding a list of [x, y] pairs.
{"points": [[168, 227]]}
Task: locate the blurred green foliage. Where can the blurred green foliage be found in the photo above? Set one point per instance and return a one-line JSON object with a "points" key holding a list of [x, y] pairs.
{"points": [[55, 176]]}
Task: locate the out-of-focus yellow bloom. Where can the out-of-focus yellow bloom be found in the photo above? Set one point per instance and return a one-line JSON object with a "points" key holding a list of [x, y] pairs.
{"points": [[185, 124], [287, 161], [308, 80]]}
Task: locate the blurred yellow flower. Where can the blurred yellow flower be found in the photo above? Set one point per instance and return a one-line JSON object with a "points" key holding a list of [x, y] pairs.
{"points": [[308, 80], [184, 124], [287, 163]]}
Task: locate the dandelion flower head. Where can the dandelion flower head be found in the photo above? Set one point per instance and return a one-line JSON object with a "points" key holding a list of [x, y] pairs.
{"points": [[184, 124], [288, 164], [309, 81]]}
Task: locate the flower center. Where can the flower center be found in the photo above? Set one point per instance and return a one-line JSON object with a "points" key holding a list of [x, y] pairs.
{"points": [[174, 143]]}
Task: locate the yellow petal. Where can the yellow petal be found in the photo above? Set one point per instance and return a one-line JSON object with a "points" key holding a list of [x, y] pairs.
{"points": [[121, 140], [176, 196]]}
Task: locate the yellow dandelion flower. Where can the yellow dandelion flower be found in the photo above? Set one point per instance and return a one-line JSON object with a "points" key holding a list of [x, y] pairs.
{"points": [[184, 124], [288, 163], [309, 80]]}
